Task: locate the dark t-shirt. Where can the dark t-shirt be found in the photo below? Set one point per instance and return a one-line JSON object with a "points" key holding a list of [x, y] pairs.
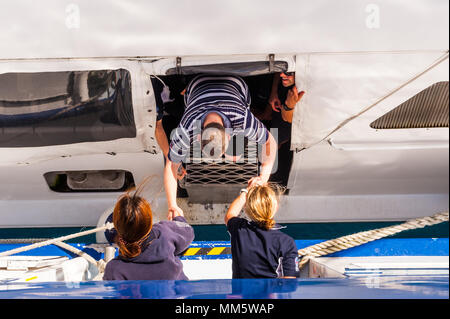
{"points": [[260, 253], [159, 259]]}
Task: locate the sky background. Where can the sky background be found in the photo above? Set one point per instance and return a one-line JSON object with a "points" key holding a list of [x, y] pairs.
{"points": [[55, 28]]}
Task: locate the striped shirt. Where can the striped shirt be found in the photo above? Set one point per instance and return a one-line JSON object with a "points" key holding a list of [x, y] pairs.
{"points": [[223, 94]]}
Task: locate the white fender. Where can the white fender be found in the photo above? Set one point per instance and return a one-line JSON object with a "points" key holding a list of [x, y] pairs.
{"points": [[100, 236]]}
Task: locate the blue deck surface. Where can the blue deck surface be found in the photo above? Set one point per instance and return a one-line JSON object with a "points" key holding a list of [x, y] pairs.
{"points": [[381, 247], [408, 287], [384, 287]]}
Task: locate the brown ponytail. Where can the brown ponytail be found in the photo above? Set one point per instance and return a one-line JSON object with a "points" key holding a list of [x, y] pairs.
{"points": [[132, 218]]}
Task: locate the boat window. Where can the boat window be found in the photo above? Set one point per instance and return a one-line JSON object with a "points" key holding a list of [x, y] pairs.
{"points": [[55, 108], [429, 108]]}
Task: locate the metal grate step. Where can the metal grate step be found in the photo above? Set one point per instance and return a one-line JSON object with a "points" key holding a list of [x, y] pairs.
{"points": [[209, 181]]}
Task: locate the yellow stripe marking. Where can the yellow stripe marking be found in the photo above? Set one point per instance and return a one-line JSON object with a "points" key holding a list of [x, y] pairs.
{"points": [[31, 278], [191, 251], [216, 251]]}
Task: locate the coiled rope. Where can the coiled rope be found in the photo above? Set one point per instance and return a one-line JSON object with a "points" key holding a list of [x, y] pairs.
{"points": [[354, 240], [100, 264]]}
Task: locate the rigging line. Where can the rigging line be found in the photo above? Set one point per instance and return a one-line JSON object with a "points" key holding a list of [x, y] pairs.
{"points": [[155, 76], [346, 121]]}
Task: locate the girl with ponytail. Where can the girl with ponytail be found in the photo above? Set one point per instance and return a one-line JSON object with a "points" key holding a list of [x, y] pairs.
{"points": [[259, 249], [147, 251], [132, 218]]}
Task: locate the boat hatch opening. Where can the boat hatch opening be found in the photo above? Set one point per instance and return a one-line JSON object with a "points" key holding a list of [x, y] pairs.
{"points": [[88, 181], [427, 109], [224, 178], [238, 68], [56, 108]]}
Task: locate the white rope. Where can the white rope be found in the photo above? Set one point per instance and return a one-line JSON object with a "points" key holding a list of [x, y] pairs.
{"points": [[12, 241], [56, 240], [321, 249], [350, 241], [100, 264]]}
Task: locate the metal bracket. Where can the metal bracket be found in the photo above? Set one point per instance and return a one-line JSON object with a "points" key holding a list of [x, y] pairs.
{"points": [[271, 62], [178, 65]]}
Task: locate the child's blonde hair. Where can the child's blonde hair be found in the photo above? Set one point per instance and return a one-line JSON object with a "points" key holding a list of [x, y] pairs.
{"points": [[262, 204]]}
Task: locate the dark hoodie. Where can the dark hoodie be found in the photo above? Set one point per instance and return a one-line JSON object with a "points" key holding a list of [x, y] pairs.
{"points": [[159, 258]]}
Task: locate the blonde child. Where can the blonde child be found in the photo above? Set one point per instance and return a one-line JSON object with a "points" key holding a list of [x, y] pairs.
{"points": [[259, 249]]}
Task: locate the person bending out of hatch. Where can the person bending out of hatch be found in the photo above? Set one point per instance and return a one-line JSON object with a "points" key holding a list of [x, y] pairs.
{"points": [[146, 251], [217, 108], [258, 248]]}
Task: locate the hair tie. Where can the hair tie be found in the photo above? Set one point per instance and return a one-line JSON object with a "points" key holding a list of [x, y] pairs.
{"points": [[138, 242], [122, 241]]}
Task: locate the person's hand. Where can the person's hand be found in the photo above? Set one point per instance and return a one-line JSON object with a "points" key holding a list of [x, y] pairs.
{"points": [[181, 172], [174, 211], [293, 97], [233, 158], [255, 181], [275, 102]]}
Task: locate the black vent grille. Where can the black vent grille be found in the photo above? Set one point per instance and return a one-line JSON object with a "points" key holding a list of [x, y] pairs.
{"points": [[427, 109]]}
